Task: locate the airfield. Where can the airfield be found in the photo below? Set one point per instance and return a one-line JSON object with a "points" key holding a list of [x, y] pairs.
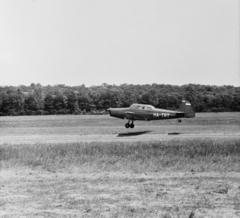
{"points": [[92, 166], [128, 136], [77, 128]]}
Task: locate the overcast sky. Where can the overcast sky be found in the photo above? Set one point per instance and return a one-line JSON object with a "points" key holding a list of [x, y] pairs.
{"points": [[91, 42]]}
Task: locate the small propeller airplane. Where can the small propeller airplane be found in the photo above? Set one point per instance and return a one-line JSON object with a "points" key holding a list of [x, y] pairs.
{"points": [[149, 112]]}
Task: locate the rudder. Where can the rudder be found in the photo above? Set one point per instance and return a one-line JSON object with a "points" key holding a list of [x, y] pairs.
{"points": [[187, 109]]}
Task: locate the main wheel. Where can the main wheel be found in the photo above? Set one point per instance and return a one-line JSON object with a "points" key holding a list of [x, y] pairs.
{"points": [[179, 121], [127, 125], [132, 125]]}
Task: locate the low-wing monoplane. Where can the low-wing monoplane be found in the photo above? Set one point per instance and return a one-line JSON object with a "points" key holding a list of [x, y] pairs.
{"points": [[149, 112]]}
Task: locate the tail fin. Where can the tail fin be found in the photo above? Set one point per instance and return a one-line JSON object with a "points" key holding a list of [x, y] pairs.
{"points": [[187, 109]]}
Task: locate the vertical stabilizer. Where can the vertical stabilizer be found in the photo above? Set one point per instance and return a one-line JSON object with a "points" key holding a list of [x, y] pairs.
{"points": [[186, 107]]}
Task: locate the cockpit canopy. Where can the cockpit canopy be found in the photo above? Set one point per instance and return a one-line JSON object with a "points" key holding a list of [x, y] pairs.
{"points": [[141, 107]]}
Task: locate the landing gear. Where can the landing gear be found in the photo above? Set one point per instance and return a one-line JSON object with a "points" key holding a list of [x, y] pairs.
{"points": [[179, 120], [132, 125], [127, 125]]}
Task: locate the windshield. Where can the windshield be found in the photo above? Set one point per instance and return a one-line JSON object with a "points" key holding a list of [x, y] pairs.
{"points": [[141, 107]]}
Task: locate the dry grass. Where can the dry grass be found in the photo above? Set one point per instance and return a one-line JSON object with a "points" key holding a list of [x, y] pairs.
{"points": [[149, 156], [170, 178], [72, 193]]}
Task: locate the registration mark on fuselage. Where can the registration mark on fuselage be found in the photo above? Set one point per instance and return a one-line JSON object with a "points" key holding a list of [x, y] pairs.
{"points": [[161, 114]]}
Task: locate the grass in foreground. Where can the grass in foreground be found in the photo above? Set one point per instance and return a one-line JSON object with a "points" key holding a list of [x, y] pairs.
{"points": [[180, 154], [121, 179], [71, 193]]}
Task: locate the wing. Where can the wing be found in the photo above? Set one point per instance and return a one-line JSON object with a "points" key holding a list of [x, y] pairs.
{"points": [[132, 116]]}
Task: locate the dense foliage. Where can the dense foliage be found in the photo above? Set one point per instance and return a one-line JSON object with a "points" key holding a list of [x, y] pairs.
{"points": [[60, 99]]}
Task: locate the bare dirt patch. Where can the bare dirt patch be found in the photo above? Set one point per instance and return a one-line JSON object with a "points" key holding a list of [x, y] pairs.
{"points": [[74, 193]]}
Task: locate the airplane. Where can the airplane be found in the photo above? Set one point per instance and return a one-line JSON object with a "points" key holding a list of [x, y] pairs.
{"points": [[149, 112]]}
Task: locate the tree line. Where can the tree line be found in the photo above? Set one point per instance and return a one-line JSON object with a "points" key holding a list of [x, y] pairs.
{"points": [[61, 99]]}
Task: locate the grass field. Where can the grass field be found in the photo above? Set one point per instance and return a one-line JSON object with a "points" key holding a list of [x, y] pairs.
{"points": [[205, 123], [179, 177]]}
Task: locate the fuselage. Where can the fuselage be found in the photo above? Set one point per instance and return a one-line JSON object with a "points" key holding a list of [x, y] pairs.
{"points": [[148, 112], [144, 112]]}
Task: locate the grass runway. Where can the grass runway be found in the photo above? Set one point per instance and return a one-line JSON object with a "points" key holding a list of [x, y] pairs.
{"points": [[72, 128], [49, 169]]}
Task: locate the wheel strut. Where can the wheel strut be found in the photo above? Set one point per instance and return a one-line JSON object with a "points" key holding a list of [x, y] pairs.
{"points": [[127, 125]]}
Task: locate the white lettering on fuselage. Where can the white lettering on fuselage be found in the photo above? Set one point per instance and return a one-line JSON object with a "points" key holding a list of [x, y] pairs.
{"points": [[161, 114]]}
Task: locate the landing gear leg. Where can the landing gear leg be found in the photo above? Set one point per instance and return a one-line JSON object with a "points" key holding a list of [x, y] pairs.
{"points": [[179, 120], [132, 125], [127, 125]]}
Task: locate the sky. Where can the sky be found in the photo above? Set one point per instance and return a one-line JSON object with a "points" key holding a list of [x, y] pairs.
{"points": [[92, 42]]}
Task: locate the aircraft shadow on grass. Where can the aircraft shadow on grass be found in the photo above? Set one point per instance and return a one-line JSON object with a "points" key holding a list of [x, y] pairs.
{"points": [[174, 133], [132, 133]]}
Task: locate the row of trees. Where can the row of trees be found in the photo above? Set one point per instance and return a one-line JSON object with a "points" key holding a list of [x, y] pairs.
{"points": [[60, 99]]}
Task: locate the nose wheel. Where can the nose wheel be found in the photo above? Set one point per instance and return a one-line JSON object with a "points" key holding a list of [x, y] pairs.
{"points": [[127, 125], [179, 120]]}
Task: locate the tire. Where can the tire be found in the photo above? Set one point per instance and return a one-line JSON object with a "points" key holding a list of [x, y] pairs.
{"points": [[127, 125]]}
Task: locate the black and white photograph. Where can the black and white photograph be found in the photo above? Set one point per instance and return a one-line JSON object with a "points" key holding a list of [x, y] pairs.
{"points": [[120, 108]]}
